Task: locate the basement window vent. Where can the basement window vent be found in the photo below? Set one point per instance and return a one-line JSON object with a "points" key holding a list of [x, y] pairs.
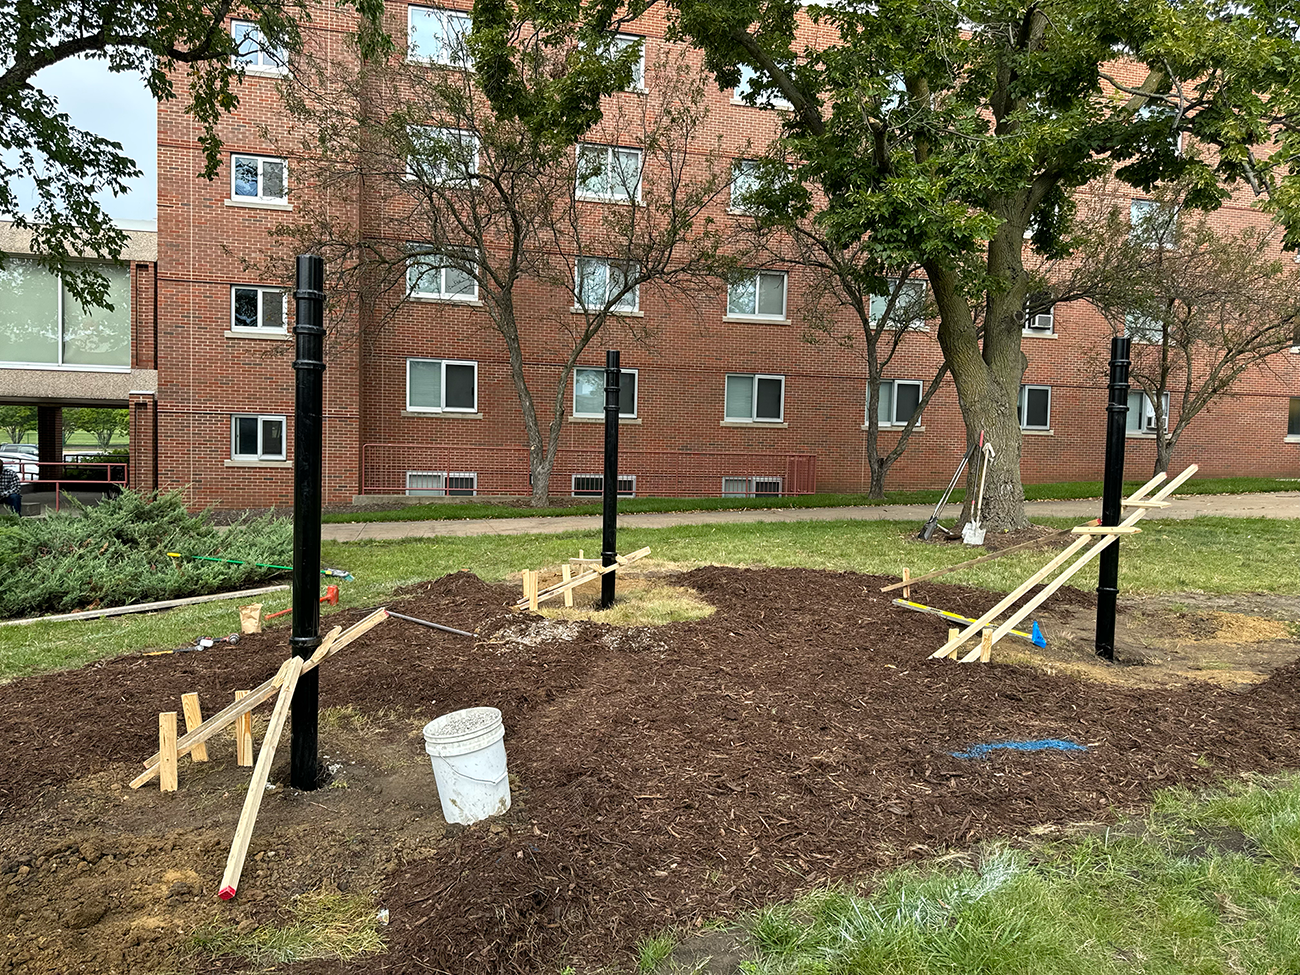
{"points": [[441, 484], [593, 485], [751, 487]]}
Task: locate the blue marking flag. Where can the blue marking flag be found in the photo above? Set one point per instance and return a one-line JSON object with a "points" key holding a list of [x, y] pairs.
{"points": [[1041, 745]]}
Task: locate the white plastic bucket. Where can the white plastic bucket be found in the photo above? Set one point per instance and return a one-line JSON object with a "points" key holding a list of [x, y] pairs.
{"points": [[468, 752]]}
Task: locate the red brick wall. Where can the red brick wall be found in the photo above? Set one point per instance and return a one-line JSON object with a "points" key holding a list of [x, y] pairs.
{"points": [[206, 246]]}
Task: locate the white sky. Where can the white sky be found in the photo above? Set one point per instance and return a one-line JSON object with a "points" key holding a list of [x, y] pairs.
{"points": [[118, 107]]}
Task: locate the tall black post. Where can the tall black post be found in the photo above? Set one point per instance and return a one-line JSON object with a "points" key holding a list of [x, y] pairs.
{"points": [[1112, 495], [609, 537], [308, 367]]}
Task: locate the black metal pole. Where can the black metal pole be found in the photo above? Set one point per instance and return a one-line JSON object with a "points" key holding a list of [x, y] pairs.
{"points": [[609, 536], [1112, 496], [308, 367]]}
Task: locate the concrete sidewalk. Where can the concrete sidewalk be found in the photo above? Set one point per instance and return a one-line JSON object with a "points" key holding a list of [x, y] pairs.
{"points": [[1282, 505]]}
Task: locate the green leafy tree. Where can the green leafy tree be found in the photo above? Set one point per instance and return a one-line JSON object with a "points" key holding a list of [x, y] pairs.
{"points": [[101, 423], [953, 136], [163, 39], [17, 422]]}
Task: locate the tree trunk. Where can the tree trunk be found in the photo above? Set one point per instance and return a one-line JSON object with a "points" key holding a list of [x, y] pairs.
{"points": [[1164, 449]]}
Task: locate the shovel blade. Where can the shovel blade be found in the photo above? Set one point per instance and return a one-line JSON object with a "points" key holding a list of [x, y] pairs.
{"points": [[972, 534]]}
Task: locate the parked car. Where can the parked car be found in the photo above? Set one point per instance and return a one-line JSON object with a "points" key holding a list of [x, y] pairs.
{"points": [[19, 448], [26, 466]]}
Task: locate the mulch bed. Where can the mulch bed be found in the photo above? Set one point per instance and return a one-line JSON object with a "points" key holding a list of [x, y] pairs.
{"points": [[671, 775]]}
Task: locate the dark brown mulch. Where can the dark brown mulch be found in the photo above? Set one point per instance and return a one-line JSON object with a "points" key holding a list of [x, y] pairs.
{"points": [[672, 775]]}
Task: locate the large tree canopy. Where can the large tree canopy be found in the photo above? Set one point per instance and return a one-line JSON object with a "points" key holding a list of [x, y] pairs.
{"points": [[946, 134], [69, 165]]}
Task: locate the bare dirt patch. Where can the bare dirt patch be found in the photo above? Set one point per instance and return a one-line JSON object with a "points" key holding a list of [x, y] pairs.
{"points": [[664, 776]]}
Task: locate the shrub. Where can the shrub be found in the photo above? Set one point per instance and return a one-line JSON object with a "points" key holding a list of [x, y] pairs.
{"points": [[115, 553]]}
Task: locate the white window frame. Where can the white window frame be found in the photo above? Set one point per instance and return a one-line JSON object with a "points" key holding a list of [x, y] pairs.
{"points": [[752, 482], [877, 305], [631, 269], [261, 455], [743, 171], [621, 43], [447, 42], [756, 277], [1140, 213], [753, 399], [261, 196], [610, 172], [636, 392], [1024, 406], [1035, 325], [259, 327], [1292, 412], [432, 133], [417, 254], [1146, 413], [442, 386], [443, 489], [771, 100], [272, 62], [592, 492], [893, 385]]}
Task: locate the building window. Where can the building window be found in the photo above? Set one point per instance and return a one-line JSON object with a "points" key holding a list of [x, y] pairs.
{"points": [[41, 323], [1040, 314], [899, 399], [260, 179], [1141, 416], [1152, 225], [438, 36], [1035, 409], [446, 276], [442, 156], [441, 385], [253, 53], [751, 487], [757, 294], [621, 43], [608, 173], [1142, 329], [601, 282], [744, 181], [909, 308], [257, 309], [1293, 418], [589, 392], [257, 438], [593, 485], [748, 93], [754, 399], [442, 484]]}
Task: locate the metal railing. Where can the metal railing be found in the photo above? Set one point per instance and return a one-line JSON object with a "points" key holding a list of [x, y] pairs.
{"points": [[455, 470], [61, 476]]}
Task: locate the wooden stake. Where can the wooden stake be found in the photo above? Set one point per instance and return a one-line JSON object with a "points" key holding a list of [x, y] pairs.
{"points": [[194, 718], [566, 575], [243, 734], [167, 750], [263, 692], [986, 645], [952, 633], [907, 583], [257, 787], [550, 592], [532, 588]]}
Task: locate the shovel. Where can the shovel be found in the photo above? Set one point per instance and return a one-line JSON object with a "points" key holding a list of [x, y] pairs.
{"points": [[972, 533]]}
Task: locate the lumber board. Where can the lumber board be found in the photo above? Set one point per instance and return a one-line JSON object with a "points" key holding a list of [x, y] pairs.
{"points": [[1145, 504], [243, 735], [550, 592], [167, 780], [94, 614], [260, 694], [1166, 489], [566, 575], [986, 646], [969, 562], [951, 648], [257, 787], [194, 718], [1106, 529], [945, 614]]}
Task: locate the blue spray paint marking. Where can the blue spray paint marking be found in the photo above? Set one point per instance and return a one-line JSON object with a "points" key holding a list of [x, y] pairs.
{"points": [[1041, 745]]}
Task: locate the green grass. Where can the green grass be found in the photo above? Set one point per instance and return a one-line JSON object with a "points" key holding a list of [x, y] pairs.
{"points": [[1211, 555], [1072, 490], [1160, 897]]}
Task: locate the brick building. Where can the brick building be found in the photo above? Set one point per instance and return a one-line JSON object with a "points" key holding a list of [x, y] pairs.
{"points": [[729, 395]]}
